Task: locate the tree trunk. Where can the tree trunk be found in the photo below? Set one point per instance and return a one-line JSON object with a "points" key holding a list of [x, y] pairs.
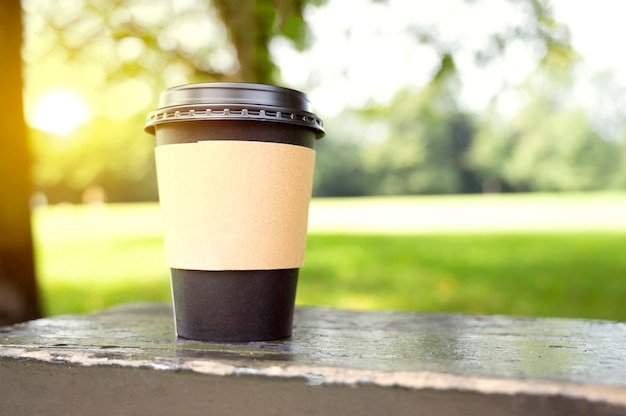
{"points": [[250, 25], [18, 289]]}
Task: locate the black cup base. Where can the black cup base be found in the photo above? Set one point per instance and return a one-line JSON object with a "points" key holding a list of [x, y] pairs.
{"points": [[234, 306]]}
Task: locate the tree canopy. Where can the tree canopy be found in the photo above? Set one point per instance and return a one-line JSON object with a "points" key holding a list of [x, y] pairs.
{"points": [[120, 54]]}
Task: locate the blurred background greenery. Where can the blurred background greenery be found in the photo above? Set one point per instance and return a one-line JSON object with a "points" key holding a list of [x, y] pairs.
{"points": [[564, 259], [419, 98], [540, 121]]}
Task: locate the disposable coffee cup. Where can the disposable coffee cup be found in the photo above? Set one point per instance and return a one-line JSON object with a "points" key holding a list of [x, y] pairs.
{"points": [[235, 168]]}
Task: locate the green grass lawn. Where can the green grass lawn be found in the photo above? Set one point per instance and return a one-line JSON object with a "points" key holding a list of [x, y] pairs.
{"points": [[566, 274], [92, 257]]}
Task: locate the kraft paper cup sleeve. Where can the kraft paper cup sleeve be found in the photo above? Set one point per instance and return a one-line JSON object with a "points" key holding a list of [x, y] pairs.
{"points": [[235, 205]]}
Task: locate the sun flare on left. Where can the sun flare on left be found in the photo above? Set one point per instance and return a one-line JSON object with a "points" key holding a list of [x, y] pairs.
{"points": [[59, 113]]}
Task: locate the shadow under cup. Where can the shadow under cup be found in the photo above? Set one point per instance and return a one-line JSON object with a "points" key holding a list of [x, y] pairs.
{"points": [[235, 303]]}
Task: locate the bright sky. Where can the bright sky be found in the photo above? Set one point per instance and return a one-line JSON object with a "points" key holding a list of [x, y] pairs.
{"points": [[361, 51], [598, 31]]}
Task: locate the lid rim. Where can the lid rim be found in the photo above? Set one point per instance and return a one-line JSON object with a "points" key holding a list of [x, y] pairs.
{"points": [[235, 113], [234, 101]]}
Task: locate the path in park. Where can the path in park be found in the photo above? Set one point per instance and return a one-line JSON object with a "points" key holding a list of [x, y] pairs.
{"points": [[595, 212]]}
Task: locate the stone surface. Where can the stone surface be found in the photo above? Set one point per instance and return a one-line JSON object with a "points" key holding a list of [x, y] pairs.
{"points": [[127, 360]]}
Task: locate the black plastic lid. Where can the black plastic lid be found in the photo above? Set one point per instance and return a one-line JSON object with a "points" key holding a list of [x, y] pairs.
{"points": [[234, 101]]}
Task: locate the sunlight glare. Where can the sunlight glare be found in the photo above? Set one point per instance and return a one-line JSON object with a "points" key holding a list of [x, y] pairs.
{"points": [[60, 113]]}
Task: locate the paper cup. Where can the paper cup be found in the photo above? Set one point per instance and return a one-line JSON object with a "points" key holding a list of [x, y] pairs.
{"points": [[235, 168]]}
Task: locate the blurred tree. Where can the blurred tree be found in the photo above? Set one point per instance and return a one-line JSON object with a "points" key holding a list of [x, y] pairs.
{"points": [[551, 144], [252, 24], [339, 169], [18, 292], [129, 50], [558, 151], [428, 136], [490, 153], [122, 163]]}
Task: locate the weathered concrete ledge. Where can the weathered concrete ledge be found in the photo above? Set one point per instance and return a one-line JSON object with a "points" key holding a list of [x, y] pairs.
{"points": [[126, 360]]}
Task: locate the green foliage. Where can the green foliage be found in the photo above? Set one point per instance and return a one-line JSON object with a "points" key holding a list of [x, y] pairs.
{"points": [[432, 145], [545, 150], [290, 21], [427, 137], [551, 144], [560, 152], [120, 161], [121, 53], [339, 168]]}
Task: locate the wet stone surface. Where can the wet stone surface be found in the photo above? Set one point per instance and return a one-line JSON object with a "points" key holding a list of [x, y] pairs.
{"points": [[580, 359]]}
